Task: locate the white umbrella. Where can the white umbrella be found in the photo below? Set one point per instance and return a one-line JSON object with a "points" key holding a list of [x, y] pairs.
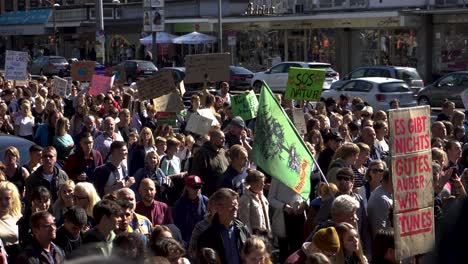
{"points": [[195, 38], [161, 38]]}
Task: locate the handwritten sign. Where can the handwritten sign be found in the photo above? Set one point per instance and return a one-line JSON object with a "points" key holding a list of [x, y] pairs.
{"points": [[245, 105], [299, 120], [207, 67], [119, 74], [208, 113], [100, 84], [16, 65], [83, 71], [60, 86], [305, 84], [198, 124], [411, 161], [169, 103], [158, 85]]}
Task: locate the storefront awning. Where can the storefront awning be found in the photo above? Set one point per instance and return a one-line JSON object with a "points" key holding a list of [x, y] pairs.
{"points": [[31, 22]]}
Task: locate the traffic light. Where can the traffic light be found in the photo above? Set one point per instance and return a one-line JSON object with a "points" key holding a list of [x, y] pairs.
{"points": [[57, 35]]}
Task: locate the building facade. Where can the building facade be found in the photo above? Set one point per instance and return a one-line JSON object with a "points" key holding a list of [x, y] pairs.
{"points": [[428, 34]]}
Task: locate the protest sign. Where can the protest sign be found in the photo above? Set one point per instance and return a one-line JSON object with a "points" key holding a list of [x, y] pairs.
{"points": [[198, 124], [171, 103], [20, 83], [167, 118], [181, 88], [305, 84], [299, 120], [100, 84], [207, 67], [83, 71], [119, 74], [208, 113], [16, 65], [60, 86], [245, 105], [411, 164], [158, 85]]}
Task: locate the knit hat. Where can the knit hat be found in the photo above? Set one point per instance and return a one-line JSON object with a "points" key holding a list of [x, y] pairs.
{"points": [[327, 240]]}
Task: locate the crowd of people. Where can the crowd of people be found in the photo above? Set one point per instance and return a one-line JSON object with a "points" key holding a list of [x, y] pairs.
{"points": [[107, 179]]}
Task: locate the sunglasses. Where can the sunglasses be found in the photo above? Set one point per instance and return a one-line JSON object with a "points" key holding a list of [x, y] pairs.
{"points": [[196, 187], [377, 170], [342, 178]]}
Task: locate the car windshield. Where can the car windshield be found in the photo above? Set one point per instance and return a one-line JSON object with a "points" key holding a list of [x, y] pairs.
{"points": [[57, 60], [240, 70], [408, 74], [146, 65], [394, 87]]}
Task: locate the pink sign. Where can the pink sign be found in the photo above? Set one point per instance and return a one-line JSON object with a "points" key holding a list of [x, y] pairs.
{"points": [[100, 84]]}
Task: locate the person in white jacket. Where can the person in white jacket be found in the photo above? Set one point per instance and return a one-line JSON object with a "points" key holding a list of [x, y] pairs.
{"points": [[253, 205]]}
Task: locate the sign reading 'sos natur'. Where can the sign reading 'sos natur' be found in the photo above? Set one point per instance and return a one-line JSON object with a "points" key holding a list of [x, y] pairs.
{"points": [[411, 159], [305, 84]]}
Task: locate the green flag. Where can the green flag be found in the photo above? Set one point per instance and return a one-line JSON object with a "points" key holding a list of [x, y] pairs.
{"points": [[278, 148]]}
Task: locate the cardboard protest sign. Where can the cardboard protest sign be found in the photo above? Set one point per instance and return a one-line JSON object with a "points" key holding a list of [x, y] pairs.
{"points": [[20, 83], [83, 71], [411, 164], [207, 67], [182, 88], [299, 120], [245, 105], [171, 103], [158, 85], [100, 84], [119, 74], [198, 124], [60, 86], [208, 113], [305, 84], [16, 65]]}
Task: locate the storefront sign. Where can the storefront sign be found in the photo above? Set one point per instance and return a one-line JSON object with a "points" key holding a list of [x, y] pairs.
{"points": [[158, 85], [245, 105], [207, 67], [60, 86], [16, 65], [305, 84], [411, 161], [100, 84], [83, 71], [171, 103]]}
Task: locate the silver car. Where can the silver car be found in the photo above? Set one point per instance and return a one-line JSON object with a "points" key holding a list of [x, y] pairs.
{"points": [[49, 65], [376, 91]]}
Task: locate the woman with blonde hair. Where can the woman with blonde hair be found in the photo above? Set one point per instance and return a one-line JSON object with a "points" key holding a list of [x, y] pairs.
{"points": [[63, 142], [137, 153], [86, 196], [10, 213], [151, 170], [345, 156], [65, 199], [351, 246], [24, 123], [458, 118], [13, 171], [255, 251]]}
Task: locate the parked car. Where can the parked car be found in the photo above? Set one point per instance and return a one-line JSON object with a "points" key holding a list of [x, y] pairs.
{"points": [[407, 74], [277, 76], [179, 74], [240, 79], [376, 91], [449, 86], [138, 69], [49, 65], [21, 144]]}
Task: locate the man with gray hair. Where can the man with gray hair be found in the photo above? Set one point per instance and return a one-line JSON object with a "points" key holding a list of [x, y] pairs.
{"points": [[344, 209], [104, 140]]}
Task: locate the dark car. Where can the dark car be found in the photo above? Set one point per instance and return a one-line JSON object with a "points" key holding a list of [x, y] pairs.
{"points": [[240, 78], [138, 69], [407, 74], [50, 65], [179, 74], [450, 86], [21, 144]]}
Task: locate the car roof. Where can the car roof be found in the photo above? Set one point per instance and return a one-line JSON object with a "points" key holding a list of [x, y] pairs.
{"points": [[379, 79], [385, 67], [174, 68]]}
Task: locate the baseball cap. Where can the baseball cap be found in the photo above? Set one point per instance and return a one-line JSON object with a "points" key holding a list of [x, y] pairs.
{"points": [[332, 136], [193, 180], [237, 121]]}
